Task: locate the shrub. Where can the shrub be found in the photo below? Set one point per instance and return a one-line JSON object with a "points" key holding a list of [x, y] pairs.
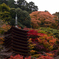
{"points": [[40, 42]]}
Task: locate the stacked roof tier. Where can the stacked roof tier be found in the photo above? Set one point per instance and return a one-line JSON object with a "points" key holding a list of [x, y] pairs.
{"points": [[16, 40]]}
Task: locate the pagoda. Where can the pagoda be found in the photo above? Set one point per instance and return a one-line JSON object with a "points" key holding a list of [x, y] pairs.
{"points": [[16, 40]]}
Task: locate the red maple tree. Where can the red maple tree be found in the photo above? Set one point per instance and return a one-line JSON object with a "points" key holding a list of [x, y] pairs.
{"points": [[42, 18]]}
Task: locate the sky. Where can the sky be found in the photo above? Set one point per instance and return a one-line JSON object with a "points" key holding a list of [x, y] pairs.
{"points": [[50, 5]]}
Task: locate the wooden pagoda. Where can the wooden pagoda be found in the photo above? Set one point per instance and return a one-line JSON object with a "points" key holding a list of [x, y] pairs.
{"points": [[16, 41]]}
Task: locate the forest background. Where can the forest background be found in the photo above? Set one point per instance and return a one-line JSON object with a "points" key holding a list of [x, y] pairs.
{"points": [[9, 8], [28, 16]]}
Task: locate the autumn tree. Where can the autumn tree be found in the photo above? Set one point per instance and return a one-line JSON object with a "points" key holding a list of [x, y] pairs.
{"points": [[4, 12], [42, 18], [57, 15]]}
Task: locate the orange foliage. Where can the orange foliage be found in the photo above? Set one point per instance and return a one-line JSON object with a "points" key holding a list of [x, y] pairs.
{"points": [[39, 17], [47, 41], [1, 40], [45, 57], [50, 54], [5, 27]]}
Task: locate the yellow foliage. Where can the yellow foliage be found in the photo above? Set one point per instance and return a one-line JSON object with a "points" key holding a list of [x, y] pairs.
{"points": [[32, 46], [32, 51], [36, 55], [1, 40], [50, 48], [30, 40]]}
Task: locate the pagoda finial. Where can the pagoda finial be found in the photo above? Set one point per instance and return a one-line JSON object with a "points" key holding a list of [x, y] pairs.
{"points": [[16, 21]]}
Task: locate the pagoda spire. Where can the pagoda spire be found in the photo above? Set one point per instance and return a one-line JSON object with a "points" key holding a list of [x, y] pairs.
{"points": [[16, 21]]}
